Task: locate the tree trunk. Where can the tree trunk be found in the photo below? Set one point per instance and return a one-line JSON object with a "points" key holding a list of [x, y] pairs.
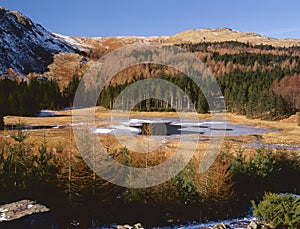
{"points": [[1, 122]]}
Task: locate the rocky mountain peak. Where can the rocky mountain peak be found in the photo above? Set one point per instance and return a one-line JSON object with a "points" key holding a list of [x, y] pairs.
{"points": [[26, 46]]}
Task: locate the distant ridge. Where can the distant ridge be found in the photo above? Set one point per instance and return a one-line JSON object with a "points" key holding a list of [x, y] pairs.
{"points": [[227, 34], [189, 36]]}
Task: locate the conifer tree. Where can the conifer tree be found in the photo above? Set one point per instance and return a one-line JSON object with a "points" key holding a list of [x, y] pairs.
{"points": [[202, 104], [282, 211]]}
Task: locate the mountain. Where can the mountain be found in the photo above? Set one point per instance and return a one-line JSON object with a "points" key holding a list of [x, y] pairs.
{"points": [[26, 46]]}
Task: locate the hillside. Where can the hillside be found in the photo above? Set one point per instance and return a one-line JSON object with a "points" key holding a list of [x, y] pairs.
{"points": [[226, 34], [190, 36], [25, 46]]}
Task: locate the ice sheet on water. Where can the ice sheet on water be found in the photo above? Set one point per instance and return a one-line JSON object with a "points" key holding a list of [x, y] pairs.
{"points": [[141, 121], [116, 129], [101, 131], [57, 127], [46, 113], [184, 123], [192, 129], [207, 128], [214, 122], [125, 128]]}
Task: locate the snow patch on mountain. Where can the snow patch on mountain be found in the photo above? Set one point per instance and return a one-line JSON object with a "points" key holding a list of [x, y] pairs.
{"points": [[26, 46], [69, 40]]}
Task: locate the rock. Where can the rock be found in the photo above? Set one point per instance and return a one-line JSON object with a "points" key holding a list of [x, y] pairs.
{"points": [[25, 214], [20, 209], [138, 226], [221, 226], [43, 220], [265, 226], [255, 225], [126, 226]]}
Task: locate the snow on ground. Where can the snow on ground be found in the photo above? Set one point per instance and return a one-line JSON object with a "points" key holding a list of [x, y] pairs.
{"points": [[241, 223], [259, 144], [233, 223], [70, 41]]}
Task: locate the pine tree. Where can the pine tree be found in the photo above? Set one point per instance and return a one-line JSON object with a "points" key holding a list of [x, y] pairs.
{"points": [[18, 162], [45, 168], [203, 106], [70, 90], [282, 211]]}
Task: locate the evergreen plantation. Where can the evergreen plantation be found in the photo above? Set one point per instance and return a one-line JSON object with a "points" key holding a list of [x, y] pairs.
{"points": [[250, 78]]}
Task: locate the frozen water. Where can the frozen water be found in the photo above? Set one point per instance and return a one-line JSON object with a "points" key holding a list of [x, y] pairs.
{"points": [[178, 127], [46, 113]]}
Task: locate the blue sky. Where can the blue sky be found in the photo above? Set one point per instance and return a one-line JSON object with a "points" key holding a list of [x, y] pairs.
{"points": [[276, 18]]}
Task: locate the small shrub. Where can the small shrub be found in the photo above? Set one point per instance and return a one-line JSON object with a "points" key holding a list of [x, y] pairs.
{"points": [[282, 211]]}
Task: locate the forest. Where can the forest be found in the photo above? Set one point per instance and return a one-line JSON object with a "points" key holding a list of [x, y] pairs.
{"points": [[61, 179], [258, 81], [29, 98]]}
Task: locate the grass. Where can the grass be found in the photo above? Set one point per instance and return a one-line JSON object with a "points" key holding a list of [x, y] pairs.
{"points": [[289, 132], [288, 129]]}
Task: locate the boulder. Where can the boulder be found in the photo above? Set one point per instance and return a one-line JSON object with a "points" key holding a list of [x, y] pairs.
{"points": [[221, 226], [126, 226], [255, 225], [136, 226]]}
